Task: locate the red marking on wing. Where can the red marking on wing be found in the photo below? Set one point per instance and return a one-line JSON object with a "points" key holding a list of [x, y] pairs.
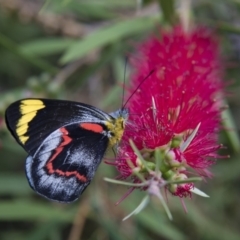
{"points": [[49, 165], [95, 127]]}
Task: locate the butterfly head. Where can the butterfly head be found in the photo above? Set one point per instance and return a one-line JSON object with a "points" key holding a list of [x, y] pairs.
{"points": [[116, 125]]}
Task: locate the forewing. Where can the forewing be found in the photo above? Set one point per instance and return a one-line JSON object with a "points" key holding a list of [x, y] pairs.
{"points": [[66, 162], [31, 121]]}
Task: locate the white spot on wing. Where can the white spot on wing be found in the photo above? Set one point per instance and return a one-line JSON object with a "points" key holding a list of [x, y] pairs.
{"points": [[28, 168]]}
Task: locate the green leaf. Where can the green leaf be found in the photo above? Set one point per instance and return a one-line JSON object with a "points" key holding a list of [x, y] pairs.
{"points": [[153, 219], [225, 27], [89, 10], [106, 57], [154, 223], [107, 35], [168, 11], [46, 47], [231, 131], [13, 184], [114, 96], [10, 145], [139, 208], [13, 47], [43, 230], [208, 227], [30, 211]]}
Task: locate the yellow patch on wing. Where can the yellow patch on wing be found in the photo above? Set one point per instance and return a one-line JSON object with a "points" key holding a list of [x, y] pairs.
{"points": [[23, 139], [28, 109]]}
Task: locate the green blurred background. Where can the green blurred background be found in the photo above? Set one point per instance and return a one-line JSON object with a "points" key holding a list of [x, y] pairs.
{"points": [[76, 49]]}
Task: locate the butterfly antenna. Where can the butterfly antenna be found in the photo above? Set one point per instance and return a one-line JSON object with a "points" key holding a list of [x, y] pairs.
{"points": [[124, 80], [139, 85]]}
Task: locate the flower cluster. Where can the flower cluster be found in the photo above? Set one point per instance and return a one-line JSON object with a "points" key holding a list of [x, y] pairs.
{"points": [[175, 114]]}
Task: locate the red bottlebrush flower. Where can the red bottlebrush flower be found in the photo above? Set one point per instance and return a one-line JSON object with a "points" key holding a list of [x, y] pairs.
{"points": [[176, 111]]}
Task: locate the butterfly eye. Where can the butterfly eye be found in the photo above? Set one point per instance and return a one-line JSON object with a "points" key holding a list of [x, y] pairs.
{"points": [[112, 134]]}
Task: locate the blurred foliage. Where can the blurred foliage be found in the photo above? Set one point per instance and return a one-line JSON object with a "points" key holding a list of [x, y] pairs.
{"points": [[76, 49]]}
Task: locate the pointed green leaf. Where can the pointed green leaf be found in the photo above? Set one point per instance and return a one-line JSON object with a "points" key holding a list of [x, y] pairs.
{"points": [[107, 35]]}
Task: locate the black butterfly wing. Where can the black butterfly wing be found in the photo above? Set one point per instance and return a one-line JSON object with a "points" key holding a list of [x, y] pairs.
{"points": [[31, 121], [65, 163]]}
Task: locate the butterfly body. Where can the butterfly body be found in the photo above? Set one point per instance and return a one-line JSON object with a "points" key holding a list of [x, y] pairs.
{"points": [[66, 142]]}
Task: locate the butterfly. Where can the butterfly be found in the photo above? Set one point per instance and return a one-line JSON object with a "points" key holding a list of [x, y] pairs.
{"points": [[65, 142]]}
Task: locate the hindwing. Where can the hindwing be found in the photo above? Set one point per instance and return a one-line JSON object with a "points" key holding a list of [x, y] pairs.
{"points": [[66, 162]]}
